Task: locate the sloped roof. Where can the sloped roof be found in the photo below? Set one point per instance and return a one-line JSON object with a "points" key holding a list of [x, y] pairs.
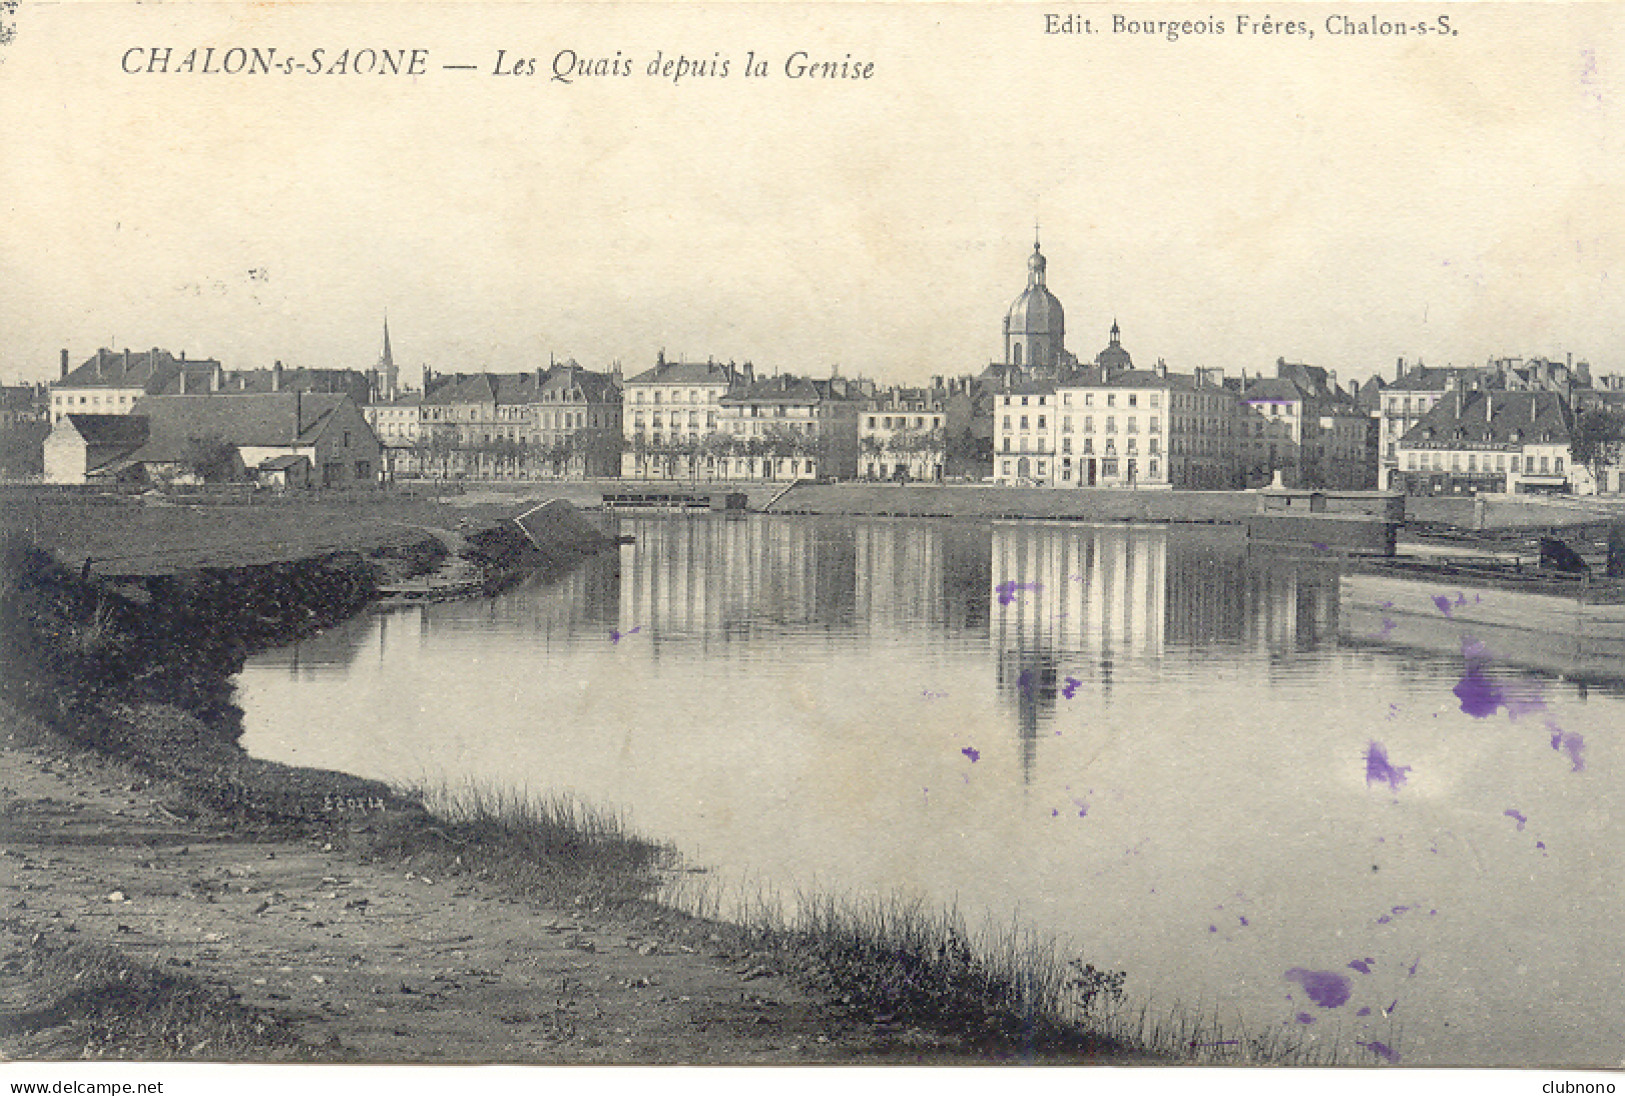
{"points": [[685, 373], [115, 430], [149, 370], [258, 419], [1427, 378], [1494, 418], [781, 389]]}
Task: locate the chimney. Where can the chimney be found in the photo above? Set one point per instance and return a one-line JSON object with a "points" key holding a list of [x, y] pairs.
{"points": [[101, 362], [182, 379], [276, 376], [428, 374], [183, 355], [540, 374], [126, 364], [64, 363], [215, 377]]}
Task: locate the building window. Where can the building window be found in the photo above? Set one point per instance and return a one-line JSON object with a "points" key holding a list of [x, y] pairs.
{"points": [[1133, 399], [1111, 399], [1153, 424], [1007, 468], [1133, 424], [1088, 399], [1007, 445], [1066, 424], [1024, 420], [1111, 424], [1041, 425]]}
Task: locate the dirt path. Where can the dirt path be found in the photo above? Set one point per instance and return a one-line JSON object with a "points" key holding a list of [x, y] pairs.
{"points": [[364, 961]]}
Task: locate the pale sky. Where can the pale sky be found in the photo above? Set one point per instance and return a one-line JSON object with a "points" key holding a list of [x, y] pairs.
{"points": [[1342, 200]]}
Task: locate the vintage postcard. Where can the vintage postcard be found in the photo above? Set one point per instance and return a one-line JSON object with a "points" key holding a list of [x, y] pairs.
{"points": [[794, 534]]}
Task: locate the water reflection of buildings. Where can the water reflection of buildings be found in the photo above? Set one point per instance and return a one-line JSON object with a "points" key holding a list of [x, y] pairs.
{"points": [[710, 578], [1073, 607]]}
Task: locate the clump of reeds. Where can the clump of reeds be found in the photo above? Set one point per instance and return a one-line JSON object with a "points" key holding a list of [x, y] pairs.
{"points": [[1003, 987], [553, 846]]}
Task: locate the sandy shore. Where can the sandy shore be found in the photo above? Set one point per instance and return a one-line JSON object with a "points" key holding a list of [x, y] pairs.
{"points": [[343, 959]]}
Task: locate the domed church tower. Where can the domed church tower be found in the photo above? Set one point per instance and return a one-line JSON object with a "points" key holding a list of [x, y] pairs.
{"points": [[1035, 328]]}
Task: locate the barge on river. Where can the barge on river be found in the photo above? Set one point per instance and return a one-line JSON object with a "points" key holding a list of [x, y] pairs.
{"points": [[1566, 624]]}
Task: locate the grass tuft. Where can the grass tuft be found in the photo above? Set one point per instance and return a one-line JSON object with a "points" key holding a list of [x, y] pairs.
{"points": [[550, 847]]}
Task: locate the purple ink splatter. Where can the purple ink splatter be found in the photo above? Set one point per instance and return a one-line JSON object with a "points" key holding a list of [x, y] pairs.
{"points": [[1521, 820], [616, 637], [1364, 1012], [1213, 928], [1362, 965], [1377, 767], [1573, 744], [1009, 591], [1480, 697], [1326, 988], [1024, 681], [1387, 626], [973, 753], [1305, 1018], [1383, 1051], [1443, 604], [1243, 921], [1071, 688]]}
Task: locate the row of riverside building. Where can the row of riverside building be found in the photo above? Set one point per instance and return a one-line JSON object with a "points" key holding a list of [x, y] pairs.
{"points": [[1040, 417]]}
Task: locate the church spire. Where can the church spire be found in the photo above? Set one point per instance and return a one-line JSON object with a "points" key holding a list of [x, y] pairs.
{"points": [[386, 360], [385, 378]]}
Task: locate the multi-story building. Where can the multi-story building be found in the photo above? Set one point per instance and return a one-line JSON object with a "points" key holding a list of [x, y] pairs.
{"points": [[561, 421], [668, 410], [1404, 403], [903, 434], [1024, 435], [109, 383], [1300, 424], [785, 428], [1487, 440]]}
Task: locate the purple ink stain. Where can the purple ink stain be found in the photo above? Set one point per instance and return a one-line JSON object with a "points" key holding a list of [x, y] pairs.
{"points": [[1024, 681], [1071, 688], [1243, 921], [1213, 928], [1326, 988], [1362, 965], [1572, 744], [1540, 844], [1383, 1051], [1521, 820], [1443, 604], [616, 637], [1480, 697], [1364, 1012], [1055, 812], [1387, 626], [1377, 767], [1305, 1018], [973, 753], [1009, 591], [1412, 973], [1384, 919]]}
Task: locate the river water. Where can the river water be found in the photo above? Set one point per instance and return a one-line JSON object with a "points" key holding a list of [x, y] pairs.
{"points": [[1172, 752]]}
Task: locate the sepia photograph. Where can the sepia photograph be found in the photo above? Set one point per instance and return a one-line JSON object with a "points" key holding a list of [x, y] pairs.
{"points": [[812, 534]]}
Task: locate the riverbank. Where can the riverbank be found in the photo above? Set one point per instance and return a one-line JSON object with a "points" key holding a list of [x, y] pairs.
{"points": [[221, 907]]}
